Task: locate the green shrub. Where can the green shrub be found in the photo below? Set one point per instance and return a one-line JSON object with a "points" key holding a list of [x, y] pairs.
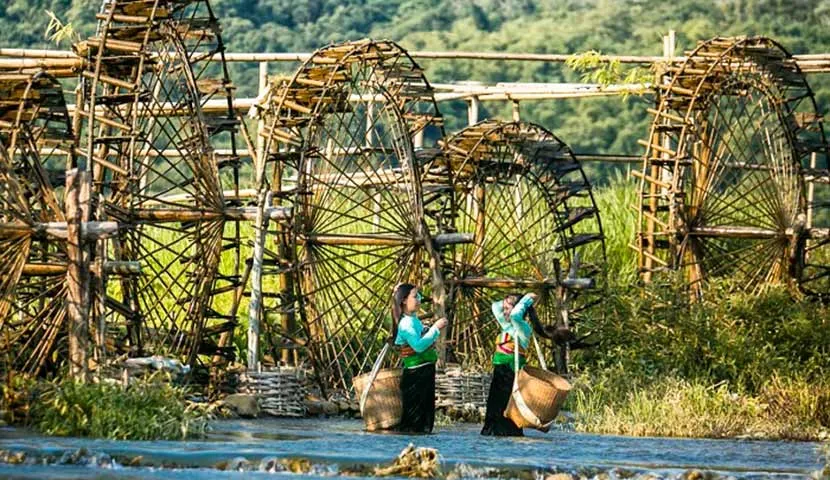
{"points": [[146, 410]]}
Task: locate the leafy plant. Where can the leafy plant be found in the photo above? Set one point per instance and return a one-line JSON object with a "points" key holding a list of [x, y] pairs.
{"points": [[58, 32], [147, 410], [595, 68]]}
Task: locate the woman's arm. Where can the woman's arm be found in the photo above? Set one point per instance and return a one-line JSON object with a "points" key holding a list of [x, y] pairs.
{"points": [[521, 328], [407, 332], [498, 312]]}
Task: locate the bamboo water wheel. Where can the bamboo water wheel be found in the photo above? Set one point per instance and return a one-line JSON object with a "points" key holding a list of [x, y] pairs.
{"points": [[727, 186], [150, 70], [35, 137], [535, 226], [339, 142]]}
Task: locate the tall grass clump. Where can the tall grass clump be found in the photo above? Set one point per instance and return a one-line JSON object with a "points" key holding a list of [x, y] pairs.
{"points": [[146, 410], [619, 224], [791, 409], [732, 364]]}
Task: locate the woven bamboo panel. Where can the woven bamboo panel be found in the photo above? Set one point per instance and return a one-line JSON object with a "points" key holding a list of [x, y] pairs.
{"points": [[281, 391], [457, 388]]}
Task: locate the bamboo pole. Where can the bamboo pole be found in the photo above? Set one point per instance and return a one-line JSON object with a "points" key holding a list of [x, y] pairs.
{"points": [[738, 232], [77, 276], [809, 63], [99, 296], [446, 239], [255, 305], [473, 106], [187, 215], [89, 231], [505, 283], [811, 192], [263, 87], [119, 268]]}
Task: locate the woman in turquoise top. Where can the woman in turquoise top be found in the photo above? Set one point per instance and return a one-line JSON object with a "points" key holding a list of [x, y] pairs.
{"points": [[418, 356], [510, 315]]}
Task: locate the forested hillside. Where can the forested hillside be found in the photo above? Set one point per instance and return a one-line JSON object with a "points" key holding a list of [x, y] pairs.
{"points": [[546, 26]]}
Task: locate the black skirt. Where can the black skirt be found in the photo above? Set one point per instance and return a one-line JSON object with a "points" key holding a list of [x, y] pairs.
{"points": [[418, 391], [495, 423]]}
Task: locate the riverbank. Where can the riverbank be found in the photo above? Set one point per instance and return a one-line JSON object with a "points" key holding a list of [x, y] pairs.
{"points": [[732, 365]]}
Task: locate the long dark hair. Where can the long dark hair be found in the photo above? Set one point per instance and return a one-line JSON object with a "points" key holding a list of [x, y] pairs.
{"points": [[530, 314], [399, 296]]}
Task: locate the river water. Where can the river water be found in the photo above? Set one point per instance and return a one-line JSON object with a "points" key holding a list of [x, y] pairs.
{"points": [[238, 449]]}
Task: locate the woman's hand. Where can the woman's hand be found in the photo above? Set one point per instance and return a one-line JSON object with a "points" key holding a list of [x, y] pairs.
{"points": [[441, 323], [532, 296]]}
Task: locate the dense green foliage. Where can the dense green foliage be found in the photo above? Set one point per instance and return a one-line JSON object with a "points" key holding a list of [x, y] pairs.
{"points": [[733, 364], [548, 26], [146, 410]]}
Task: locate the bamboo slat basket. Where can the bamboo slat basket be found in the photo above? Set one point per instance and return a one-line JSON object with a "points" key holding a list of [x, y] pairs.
{"points": [[544, 393], [384, 406]]}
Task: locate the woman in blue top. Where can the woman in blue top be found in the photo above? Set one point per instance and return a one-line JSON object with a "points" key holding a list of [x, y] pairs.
{"points": [[418, 356], [510, 315]]}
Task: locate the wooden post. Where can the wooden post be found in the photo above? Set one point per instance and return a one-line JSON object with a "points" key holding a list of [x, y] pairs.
{"points": [[77, 275], [478, 212], [811, 189], [255, 306], [100, 295], [368, 142], [648, 243], [260, 138], [473, 107], [478, 239], [71, 160], [285, 281]]}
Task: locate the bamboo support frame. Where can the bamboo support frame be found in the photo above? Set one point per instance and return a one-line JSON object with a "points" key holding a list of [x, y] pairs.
{"points": [[119, 268], [809, 63]]}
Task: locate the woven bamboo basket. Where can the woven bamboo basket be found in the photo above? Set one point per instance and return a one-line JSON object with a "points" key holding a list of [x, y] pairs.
{"points": [[384, 406], [544, 393]]}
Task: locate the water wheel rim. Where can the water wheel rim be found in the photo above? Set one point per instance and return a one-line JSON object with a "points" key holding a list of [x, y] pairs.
{"points": [[147, 140], [330, 227], [36, 143], [688, 231], [487, 160]]}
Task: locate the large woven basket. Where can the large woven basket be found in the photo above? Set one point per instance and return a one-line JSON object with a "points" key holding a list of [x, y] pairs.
{"points": [[383, 407], [544, 393]]}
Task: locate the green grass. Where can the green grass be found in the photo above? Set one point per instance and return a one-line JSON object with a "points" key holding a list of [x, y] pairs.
{"points": [[619, 223], [734, 364], [146, 410], [617, 403]]}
